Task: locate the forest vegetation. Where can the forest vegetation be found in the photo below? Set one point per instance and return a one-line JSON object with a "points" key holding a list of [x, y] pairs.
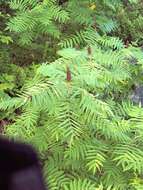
{"points": [[71, 85]]}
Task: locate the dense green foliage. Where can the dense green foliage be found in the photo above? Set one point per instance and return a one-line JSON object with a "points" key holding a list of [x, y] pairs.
{"points": [[68, 69], [130, 20]]}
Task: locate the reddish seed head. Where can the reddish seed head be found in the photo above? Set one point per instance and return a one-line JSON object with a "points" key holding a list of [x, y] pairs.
{"points": [[89, 50], [127, 43], [68, 74]]}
